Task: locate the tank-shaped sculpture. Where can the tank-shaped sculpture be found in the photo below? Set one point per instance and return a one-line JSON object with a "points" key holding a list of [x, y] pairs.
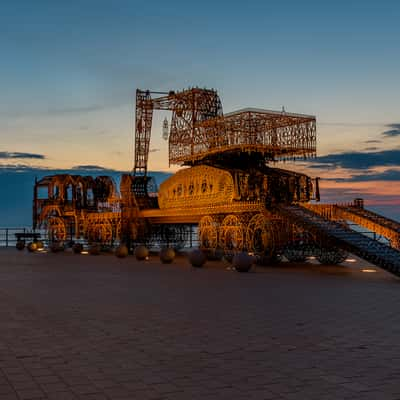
{"points": [[225, 191], [198, 186], [228, 196]]}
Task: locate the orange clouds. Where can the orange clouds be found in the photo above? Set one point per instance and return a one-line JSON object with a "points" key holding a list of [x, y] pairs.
{"points": [[374, 192]]}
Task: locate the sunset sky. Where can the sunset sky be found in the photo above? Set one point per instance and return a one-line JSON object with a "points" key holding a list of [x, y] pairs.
{"points": [[69, 71]]}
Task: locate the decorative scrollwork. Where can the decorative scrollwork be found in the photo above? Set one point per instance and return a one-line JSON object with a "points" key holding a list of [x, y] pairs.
{"points": [[56, 229], [232, 234], [198, 186], [100, 231], [208, 233], [260, 236]]}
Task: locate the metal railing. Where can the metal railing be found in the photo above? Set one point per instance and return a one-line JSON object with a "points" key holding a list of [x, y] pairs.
{"points": [[8, 236]]}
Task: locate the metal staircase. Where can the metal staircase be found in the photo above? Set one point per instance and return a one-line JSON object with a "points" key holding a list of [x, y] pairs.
{"points": [[343, 237]]}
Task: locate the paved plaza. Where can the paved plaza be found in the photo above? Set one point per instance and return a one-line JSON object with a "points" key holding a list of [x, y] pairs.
{"points": [[98, 327]]}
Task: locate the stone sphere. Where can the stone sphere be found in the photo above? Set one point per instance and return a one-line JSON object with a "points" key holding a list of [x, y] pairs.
{"points": [[167, 255], [197, 258], [141, 252], [32, 247], [242, 262], [77, 248], [20, 245], [39, 244], [94, 249], [56, 247], [121, 251]]}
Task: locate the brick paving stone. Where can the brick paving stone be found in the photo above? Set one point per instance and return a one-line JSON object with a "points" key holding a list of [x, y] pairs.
{"points": [[28, 394], [84, 389], [135, 386], [62, 396], [116, 391], [97, 396], [54, 387], [75, 380], [6, 389], [25, 385], [40, 372], [9, 396], [103, 328], [47, 379], [104, 383]]}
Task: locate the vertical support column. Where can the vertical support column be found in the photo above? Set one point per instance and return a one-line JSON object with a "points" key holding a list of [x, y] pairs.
{"points": [[144, 117]]}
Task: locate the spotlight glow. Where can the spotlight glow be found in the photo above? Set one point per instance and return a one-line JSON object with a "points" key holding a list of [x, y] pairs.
{"points": [[84, 252], [42, 251], [369, 270], [353, 260]]}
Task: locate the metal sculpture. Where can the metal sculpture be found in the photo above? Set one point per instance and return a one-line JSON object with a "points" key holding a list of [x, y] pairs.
{"points": [[73, 206], [228, 191], [189, 108]]}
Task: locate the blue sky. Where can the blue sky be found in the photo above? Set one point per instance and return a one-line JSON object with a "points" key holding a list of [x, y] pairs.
{"points": [[69, 70]]}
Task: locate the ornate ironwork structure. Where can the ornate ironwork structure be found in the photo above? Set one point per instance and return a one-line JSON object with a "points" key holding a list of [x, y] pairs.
{"points": [[273, 135], [199, 130], [227, 190], [189, 109], [74, 206]]}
